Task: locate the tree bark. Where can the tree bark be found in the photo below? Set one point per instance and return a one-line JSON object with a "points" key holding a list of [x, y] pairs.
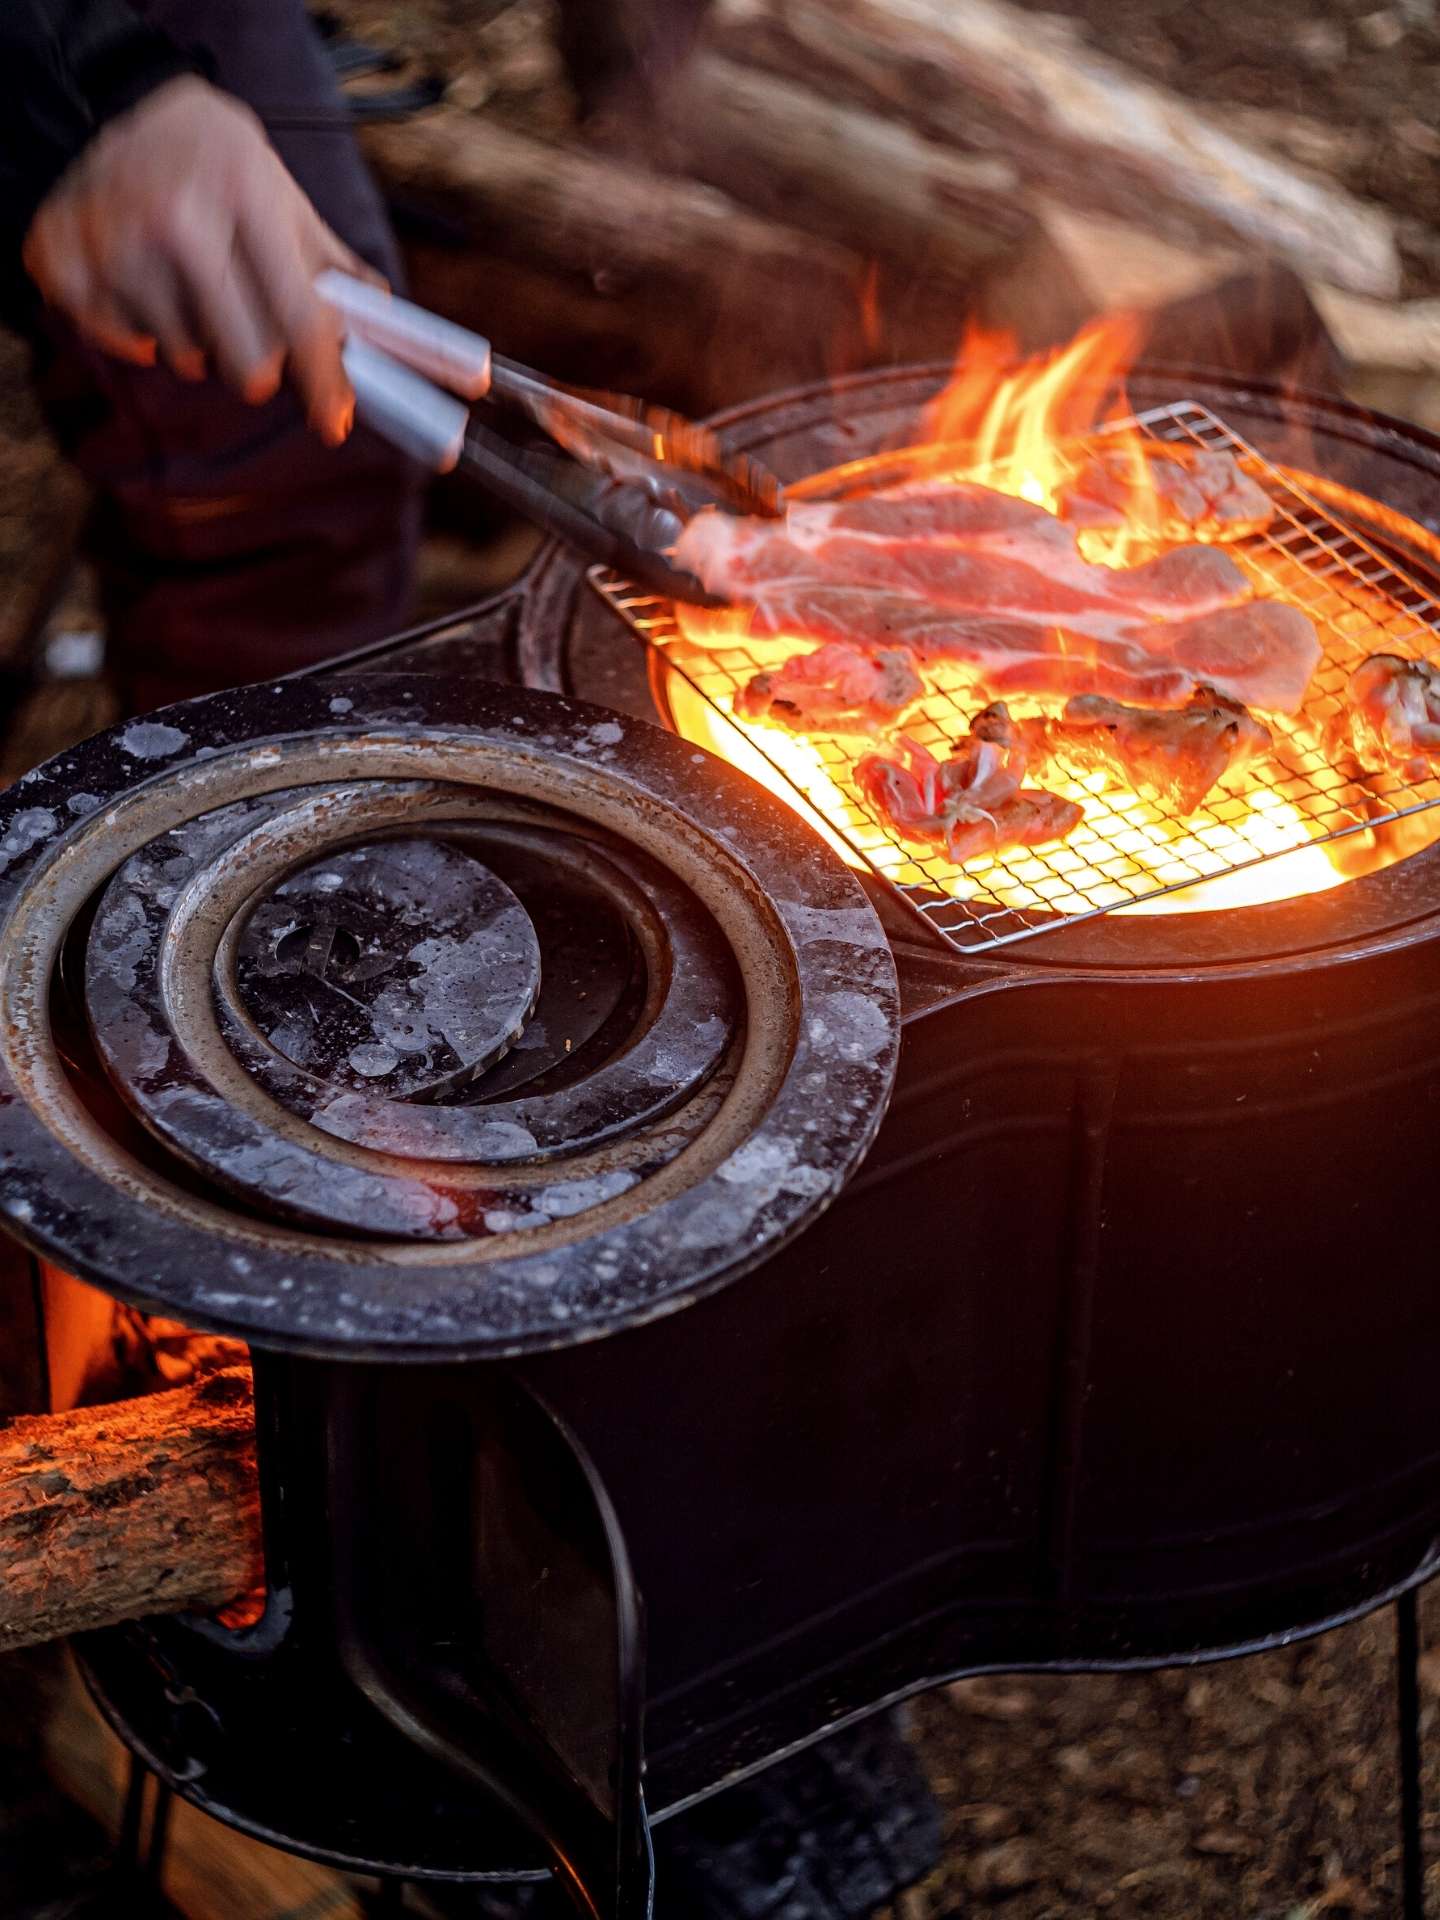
{"points": [[986, 77], [145, 1506]]}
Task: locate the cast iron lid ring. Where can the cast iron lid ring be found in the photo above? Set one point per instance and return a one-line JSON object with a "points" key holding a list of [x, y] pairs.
{"points": [[815, 1059], [161, 966]]}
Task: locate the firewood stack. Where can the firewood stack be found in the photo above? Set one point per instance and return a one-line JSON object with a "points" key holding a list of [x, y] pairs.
{"points": [[794, 188]]}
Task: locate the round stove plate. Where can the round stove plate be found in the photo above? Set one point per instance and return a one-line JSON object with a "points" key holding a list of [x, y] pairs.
{"points": [[533, 1256], [401, 967]]}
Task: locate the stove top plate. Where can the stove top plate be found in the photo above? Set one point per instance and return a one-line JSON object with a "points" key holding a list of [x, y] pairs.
{"points": [[401, 967], [735, 1068]]}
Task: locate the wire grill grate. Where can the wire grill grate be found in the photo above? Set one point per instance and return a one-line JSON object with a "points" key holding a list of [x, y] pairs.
{"points": [[1128, 849]]}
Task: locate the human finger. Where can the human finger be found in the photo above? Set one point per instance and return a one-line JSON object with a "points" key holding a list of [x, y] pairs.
{"points": [[231, 316], [162, 304], [308, 326]]}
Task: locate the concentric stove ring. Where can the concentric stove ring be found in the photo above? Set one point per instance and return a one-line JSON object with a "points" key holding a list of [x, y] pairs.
{"points": [[324, 914]]}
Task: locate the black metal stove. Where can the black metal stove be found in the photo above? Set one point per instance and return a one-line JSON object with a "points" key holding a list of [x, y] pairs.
{"points": [[1117, 1350], [389, 1021]]}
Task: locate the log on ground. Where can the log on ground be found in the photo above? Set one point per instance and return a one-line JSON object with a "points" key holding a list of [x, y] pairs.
{"points": [[602, 271], [985, 77], [864, 180]]}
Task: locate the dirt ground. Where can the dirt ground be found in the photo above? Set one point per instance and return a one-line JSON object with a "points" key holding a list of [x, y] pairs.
{"points": [[1264, 1789]]}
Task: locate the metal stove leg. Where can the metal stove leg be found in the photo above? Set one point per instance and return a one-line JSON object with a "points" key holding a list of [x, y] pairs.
{"points": [[136, 1856], [127, 1841], [518, 1661], [159, 1834], [1407, 1666]]}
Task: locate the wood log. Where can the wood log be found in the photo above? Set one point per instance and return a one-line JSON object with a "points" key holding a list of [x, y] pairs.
{"points": [[584, 211], [1393, 351], [600, 270], [987, 77], [1399, 337], [864, 180], [145, 1506]]}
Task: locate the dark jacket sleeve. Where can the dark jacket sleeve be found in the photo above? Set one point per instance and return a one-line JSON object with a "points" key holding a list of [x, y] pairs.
{"points": [[66, 67]]}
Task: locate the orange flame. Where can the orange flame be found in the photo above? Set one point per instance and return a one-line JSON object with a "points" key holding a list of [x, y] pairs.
{"points": [[1014, 416], [1023, 427], [1013, 421]]}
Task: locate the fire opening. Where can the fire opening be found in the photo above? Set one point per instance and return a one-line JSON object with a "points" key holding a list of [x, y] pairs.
{"points": [[1301, 820]]}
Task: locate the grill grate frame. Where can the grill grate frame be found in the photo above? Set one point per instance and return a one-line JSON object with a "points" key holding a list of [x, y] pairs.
{"points": [[1360, 601]]}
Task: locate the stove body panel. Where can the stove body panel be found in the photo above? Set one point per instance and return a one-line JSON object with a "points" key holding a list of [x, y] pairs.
{"points": [[1116, 1350], [1014, 1401]]}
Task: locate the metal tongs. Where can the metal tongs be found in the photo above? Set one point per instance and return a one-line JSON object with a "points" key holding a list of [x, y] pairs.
{"points": [[615, 477]]}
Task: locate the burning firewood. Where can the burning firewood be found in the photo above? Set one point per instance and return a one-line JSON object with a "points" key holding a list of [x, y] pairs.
{"points": [[113, 1512]]}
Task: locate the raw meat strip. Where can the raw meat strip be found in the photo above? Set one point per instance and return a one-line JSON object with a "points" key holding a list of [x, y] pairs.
{"points": [[995, 583], [958, 509], [1204, 495], [1182, 584], [1177, 756], [1026, 566], [836, 689], [1391, 720], [1263, 654], [971, 804]]}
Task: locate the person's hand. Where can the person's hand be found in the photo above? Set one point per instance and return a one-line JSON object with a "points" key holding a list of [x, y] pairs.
{"points": [[177, 233]]}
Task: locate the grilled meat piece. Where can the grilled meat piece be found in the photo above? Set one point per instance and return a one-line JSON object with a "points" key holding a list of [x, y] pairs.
{"points": [[964, 574], [1391, 720], [836, 689], [971, 804], [996, 725], [1204, 496], [1262, 653], [1177, 756]]}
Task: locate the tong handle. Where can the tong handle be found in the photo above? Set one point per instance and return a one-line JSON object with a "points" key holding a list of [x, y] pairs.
{"points": [[405, 408], [436, 349], [397, 356]]}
